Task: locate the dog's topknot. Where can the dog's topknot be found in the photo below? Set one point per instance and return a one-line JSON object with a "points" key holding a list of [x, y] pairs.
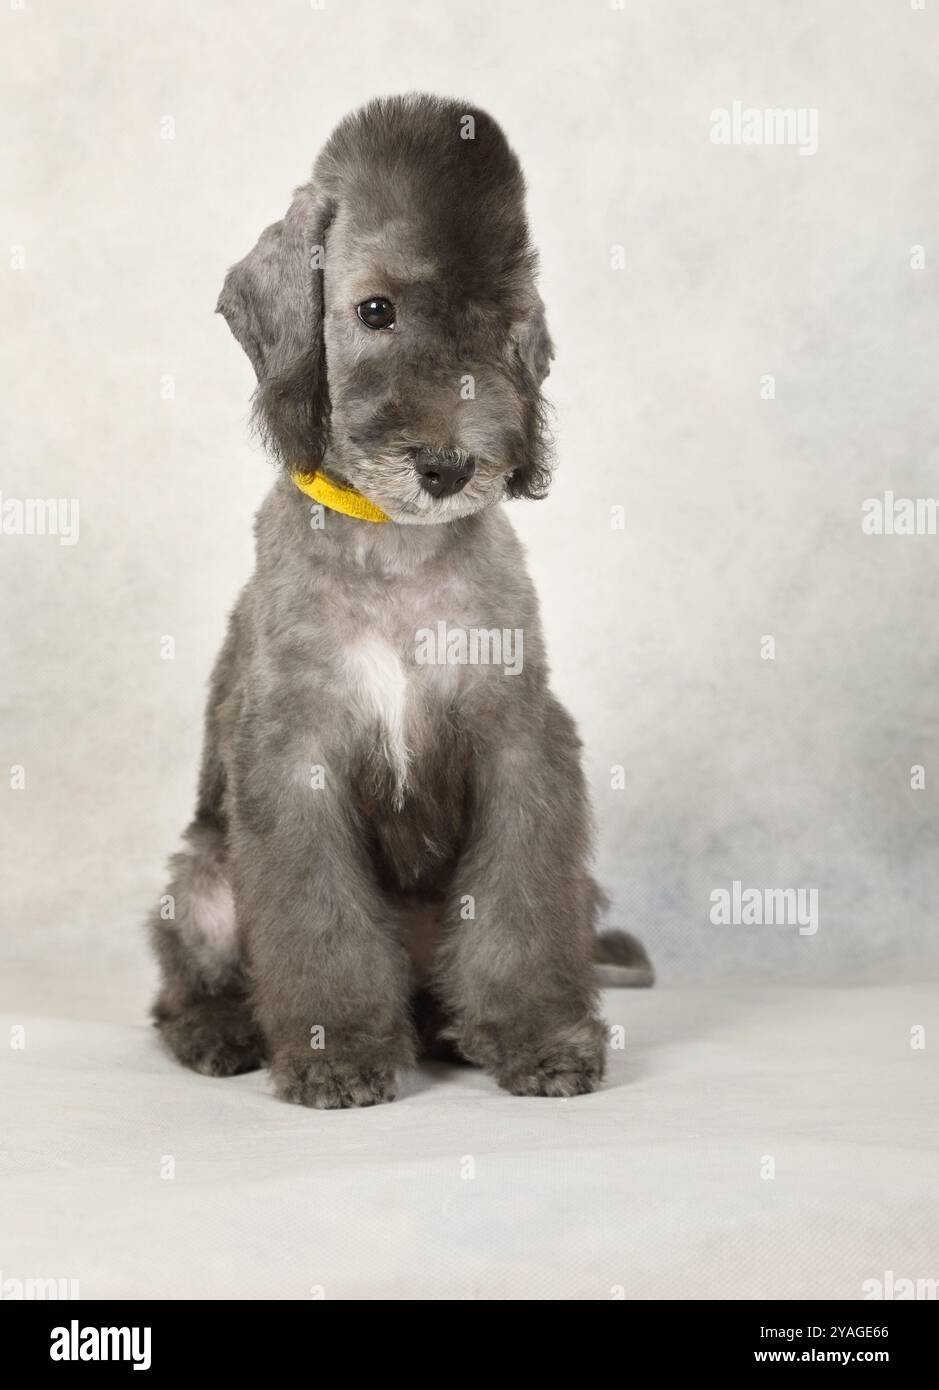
{"points": [[449, 163]]}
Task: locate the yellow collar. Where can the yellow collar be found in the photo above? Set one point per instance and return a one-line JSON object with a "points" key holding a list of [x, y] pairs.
{"points": [[338, 499]]}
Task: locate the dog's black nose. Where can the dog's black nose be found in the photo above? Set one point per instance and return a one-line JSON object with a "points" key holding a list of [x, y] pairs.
{"points": [[443, 471]]}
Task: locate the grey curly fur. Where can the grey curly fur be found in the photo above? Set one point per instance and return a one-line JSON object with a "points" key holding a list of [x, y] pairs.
{"points": [[389, 857]]}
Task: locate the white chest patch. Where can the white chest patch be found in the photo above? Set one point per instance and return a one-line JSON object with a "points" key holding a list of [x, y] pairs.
{"points": [[378, 685]]}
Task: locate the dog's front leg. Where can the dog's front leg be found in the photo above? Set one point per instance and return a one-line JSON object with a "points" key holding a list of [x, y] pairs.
{"points": [[515, 968], [329, 978]]}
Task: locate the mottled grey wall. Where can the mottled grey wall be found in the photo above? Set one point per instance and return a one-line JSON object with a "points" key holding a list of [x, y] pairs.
{"points": [[742, 514]]}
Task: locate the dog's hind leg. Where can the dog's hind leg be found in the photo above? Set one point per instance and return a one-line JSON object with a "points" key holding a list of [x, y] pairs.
{"points": [[203, 1011]]}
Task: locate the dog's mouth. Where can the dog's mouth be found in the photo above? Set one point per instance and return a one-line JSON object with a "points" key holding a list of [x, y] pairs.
{"points": [[392, 483], [421, 509]]}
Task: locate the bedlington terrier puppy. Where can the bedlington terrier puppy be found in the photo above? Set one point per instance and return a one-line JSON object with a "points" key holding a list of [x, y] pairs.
{"points": [[390, 849]]}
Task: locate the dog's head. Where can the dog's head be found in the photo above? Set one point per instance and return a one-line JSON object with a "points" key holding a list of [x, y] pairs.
{"points": [[392, 316]]}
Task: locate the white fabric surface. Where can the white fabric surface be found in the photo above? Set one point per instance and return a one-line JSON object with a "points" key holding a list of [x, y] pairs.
{"points": [[653, 1186]]}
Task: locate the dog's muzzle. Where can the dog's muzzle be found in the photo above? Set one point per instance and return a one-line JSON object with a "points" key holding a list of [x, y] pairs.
{"points": [[443, 472]]}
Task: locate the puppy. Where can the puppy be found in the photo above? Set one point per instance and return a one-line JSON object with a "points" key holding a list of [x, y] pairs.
{"points": [[390, 848]]}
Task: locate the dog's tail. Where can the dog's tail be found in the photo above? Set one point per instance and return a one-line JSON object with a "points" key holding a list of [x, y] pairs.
{"points": [[622, 962]]}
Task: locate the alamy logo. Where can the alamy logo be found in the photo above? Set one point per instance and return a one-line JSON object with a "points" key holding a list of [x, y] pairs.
{"points": [[40, 516], [899, 516], [470, 646], [893, 1288], [77, 1343], [748, 125], [17, 1290], [781, 907]]}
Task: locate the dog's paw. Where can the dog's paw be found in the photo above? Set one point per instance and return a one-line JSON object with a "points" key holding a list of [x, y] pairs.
{"points": [[571, 1064], [324, 1085], [215, 1037], [535, 1079]]}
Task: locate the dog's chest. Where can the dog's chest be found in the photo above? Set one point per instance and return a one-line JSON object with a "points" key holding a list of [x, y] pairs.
{"points": [[409, 761], [402, 709]]}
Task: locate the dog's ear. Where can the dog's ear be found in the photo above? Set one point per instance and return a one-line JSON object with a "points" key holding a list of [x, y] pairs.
{"points": [[534, 351], [534, 342], [273, 304]]}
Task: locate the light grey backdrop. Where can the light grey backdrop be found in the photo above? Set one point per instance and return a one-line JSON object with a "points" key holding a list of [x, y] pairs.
{"points": [[742, 514]]}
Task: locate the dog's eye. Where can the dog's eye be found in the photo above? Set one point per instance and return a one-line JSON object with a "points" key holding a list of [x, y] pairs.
{"points": [[376, 313]]}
